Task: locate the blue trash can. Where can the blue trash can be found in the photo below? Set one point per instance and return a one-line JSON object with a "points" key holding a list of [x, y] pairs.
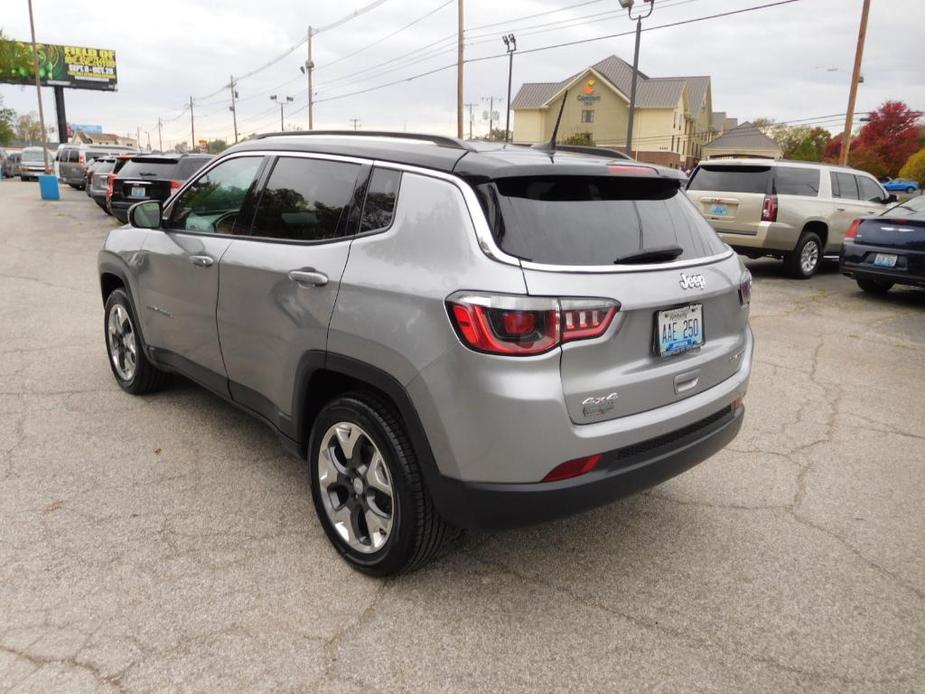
{"points": [[48, 184]]}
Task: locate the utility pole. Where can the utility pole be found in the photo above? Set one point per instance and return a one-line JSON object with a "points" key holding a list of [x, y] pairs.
{"points": [[148, 133], [282, 102], [853, 92], [192, 125], [160, 141], [309, 66], [510, 45], [138, 138], [356, 123], [233, 108], [471, 108], [459, 70], [38, 90], [628, 4]]}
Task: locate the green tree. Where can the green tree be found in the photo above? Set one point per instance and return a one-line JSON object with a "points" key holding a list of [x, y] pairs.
{"points": [[7, 124], [914, 168], [217, 146]]}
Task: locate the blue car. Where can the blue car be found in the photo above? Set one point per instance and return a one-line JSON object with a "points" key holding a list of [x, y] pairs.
{"points": [[899, 185]]}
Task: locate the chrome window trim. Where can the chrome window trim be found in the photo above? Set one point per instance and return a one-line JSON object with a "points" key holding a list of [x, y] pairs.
{"points": [[483, 234]]}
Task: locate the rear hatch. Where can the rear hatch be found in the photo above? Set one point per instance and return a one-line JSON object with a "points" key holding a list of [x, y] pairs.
{"points": [[146, 178], [680, 327], [731, 196]]}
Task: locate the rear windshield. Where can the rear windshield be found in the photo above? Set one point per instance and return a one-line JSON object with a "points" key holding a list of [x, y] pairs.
{"points": [[593, 220], [188, 166], [104, 166], [731, 179], [148, 168]]}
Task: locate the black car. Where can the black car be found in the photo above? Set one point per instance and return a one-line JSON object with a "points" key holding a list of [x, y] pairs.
{"points": [[886, 250], [151, 177]]}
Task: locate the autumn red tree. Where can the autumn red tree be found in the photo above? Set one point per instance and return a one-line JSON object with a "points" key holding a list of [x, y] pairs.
{"points": [[884, 143], [889, 138]]}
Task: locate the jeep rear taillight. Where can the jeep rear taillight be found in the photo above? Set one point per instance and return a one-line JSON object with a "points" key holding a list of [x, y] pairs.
{"points": [[524, 325], [110, 179], [769, 209], [745, 289]]}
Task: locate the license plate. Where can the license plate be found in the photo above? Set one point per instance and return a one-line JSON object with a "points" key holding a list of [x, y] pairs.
{"points": [[137, 192], [680, 329], [719, 210], [885, 260]]}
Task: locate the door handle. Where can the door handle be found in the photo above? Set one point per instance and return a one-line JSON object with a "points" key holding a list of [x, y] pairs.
{"points": [[839, 209], [201, 260], [309, 276]]}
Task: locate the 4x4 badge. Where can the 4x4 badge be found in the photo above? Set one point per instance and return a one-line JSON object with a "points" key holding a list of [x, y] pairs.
{"points": [[692, 281]]}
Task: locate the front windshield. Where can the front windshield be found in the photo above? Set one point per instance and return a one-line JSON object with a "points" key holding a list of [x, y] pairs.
{"points": [[32, 156]]}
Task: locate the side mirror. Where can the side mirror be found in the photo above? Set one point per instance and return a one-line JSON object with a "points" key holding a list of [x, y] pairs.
{"points": [[889, 199], [145, 215]]}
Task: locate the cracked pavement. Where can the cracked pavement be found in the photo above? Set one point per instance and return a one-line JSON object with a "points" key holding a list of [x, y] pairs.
{"points": [[168, 542]]}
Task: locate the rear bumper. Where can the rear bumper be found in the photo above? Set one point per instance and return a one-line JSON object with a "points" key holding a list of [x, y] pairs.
{"points": [[487, 506], [765, 236], [910, 268]]}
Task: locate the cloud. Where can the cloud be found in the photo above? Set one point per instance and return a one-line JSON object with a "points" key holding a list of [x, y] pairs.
{"points": [[787, 62]]}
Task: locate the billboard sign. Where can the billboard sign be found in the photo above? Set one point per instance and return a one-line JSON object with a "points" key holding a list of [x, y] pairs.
{"points": [[84, 128], [59, 66]]}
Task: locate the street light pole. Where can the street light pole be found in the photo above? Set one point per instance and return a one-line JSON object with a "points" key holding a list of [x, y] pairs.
{"points": [[282, 102], [233, 108], [510, 45], [38, 90], [628, 4], [309, 66]]}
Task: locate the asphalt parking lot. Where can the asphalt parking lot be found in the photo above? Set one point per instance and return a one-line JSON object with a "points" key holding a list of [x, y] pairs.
{"points": [[168, 543]]}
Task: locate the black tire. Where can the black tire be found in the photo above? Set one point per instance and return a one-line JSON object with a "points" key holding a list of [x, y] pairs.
{"points": [[145, 378], [910, 190], [418, 532], [874, 286], [793, 262]]}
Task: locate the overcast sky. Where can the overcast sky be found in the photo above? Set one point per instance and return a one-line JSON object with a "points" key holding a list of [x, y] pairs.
{"points": [[788, 62]]}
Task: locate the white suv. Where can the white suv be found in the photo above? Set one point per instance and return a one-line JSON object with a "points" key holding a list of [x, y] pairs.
{"points": [[796, 211]]}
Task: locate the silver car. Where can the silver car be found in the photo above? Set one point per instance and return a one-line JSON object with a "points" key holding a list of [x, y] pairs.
{"points": [[453, 335]]}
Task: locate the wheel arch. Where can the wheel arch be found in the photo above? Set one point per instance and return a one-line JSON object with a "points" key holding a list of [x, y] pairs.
{"points": [[322, 376], [818, 227]]}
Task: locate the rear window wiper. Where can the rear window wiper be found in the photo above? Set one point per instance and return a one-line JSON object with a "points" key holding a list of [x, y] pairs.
{"points": [[655, 255]]}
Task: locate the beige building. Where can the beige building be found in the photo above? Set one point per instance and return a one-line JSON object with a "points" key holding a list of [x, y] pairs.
{"points": [[82, 138], [674, 115], [742, 141]]}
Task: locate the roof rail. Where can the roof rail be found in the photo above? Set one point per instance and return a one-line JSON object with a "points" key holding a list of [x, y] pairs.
{"points": [[439, 140]]}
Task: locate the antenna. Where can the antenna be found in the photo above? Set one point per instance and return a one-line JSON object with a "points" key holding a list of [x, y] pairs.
{"points": [[551, 145]]}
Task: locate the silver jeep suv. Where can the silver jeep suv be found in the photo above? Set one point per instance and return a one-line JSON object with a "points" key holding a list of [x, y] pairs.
{"points": [[453, 335]]}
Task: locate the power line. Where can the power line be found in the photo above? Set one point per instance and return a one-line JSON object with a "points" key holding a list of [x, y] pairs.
{"points": [[563, 44], [343, 20], [388, 36]]}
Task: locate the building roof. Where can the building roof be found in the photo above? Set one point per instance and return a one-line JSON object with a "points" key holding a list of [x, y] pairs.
{"points": [[717, 120], [535, 94], [651, 92], [659, 93], [744, 137]]}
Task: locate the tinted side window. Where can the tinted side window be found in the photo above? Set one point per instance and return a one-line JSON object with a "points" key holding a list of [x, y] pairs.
{"points": [[72, 155], [844, 186], [790, 180], [869, 190], [215, 202], [381, 196], [731, 179], [305, 200]]}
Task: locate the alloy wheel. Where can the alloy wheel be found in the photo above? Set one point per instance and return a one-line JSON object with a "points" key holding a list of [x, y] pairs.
{"points": [[355, 487], [123, 347], [809, 257]]}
